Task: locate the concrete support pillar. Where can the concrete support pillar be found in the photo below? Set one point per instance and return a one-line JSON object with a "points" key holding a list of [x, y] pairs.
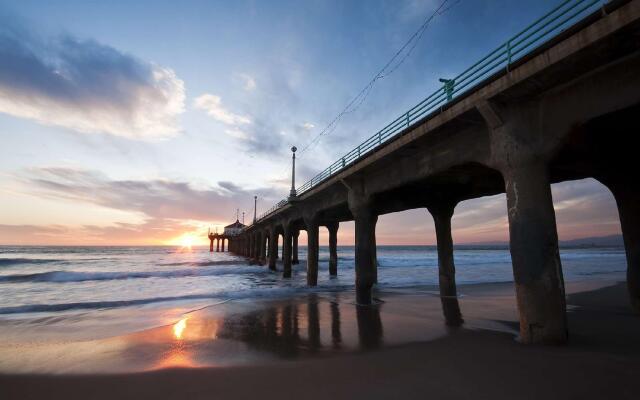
{"points": [[258, 248], [333, 248], [263, 247], [273, 249], [534, 252], [211, 245], [442, 211], [312, 249], [294, 247], [365, 256], [252, 247], [223, 245], [217, 245], [286, 252], [627, 198]]}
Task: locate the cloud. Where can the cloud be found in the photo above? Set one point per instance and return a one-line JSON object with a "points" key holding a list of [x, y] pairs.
{"points": [[157, 199], [212, 104], [86, 86], [153, 231], [248, 82], [307, 126]]}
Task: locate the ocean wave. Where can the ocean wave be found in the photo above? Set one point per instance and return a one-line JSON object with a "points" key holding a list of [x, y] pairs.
{"points": [[201, 263], [78, 276], [270, 293], [34, 308], [16, 261]]}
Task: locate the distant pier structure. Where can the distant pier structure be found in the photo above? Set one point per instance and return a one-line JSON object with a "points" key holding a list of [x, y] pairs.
{"points": [[229, 232]]}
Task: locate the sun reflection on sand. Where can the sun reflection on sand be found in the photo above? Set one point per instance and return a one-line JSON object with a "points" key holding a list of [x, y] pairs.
{"points": [[179, 328]]}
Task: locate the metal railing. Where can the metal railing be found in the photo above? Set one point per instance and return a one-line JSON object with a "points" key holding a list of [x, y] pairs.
{"points": [[544, 28]]}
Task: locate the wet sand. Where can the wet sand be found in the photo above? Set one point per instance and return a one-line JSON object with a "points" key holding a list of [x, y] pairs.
{"points": [[410, 345]]}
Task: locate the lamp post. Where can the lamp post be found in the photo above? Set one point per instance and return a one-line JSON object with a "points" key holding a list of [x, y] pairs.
{"points": [[255, 208], [293, 193]]}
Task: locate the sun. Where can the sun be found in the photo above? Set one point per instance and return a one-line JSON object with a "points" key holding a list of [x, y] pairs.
{"points": [[187, 241]]}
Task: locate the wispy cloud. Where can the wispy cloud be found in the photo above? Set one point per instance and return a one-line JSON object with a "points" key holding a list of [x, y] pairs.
{"points": [[159, 199], [248, 82], [86, 86], [212, 104]]}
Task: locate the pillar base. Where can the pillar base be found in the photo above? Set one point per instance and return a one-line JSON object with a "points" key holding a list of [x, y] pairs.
{"points": [[364, 295]]}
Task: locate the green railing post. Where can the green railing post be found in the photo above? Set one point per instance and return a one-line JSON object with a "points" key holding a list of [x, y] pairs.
{"points": [[508, 54], [408, 119]]}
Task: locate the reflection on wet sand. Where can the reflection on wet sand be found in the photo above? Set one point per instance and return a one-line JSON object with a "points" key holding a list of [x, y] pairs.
{"points": [[241, 333], [280, 329]]}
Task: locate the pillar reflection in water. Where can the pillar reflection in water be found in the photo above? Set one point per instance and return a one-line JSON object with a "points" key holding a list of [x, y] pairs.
{"points": [[370, 330], [276, 329], [314, 323], [336, 336]]}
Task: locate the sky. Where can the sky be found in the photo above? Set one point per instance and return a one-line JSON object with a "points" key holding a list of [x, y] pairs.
{"points": [[149, 122]]}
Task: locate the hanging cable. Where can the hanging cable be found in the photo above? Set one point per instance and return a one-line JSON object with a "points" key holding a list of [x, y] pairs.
{"points": [[389, 68]]}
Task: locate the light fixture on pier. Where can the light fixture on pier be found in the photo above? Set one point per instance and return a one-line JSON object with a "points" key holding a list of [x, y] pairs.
{"points": [[293, 194], [255, 208]]}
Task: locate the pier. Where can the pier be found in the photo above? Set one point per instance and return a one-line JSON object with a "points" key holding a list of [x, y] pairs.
{"points": [[559, 101]]}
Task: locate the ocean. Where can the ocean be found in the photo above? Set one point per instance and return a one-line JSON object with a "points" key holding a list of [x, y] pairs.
{"points": [[50, 280], [126, 309]]}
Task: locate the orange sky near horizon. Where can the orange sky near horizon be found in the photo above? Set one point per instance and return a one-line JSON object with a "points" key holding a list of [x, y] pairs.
{"points": [[474, 221]]}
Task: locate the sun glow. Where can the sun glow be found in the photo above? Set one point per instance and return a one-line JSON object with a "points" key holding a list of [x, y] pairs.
{"points": [[187, 241]]}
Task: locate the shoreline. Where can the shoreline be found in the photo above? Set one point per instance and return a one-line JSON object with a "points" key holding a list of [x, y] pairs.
{"points": [[405, 344]]}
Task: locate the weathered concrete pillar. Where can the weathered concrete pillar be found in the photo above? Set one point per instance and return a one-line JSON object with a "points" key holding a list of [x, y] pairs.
{"points": [[223, 245], [286, 251], [534, 253], [263, 248], [294, 247], [442, 211], [252, 247], [273, 249], [211, 245], [258, 250], [312, 249], [627, 197], [332, 227], [217, 245], [365, 256]]}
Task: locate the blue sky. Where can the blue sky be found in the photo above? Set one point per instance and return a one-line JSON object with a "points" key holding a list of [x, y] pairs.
{"points": [[145, 122]]}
